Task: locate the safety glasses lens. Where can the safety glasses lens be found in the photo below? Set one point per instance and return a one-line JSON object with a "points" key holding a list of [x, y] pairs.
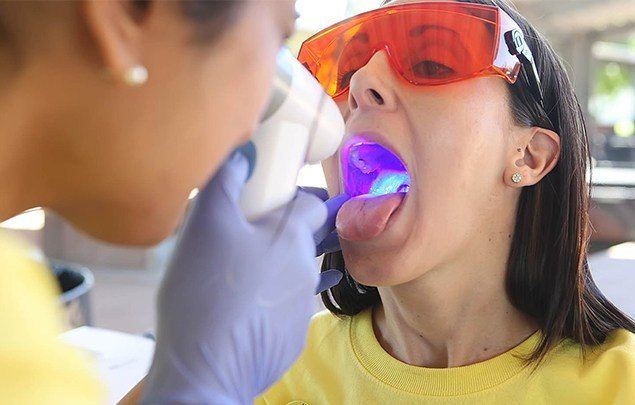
{"points": [[426, 43]]}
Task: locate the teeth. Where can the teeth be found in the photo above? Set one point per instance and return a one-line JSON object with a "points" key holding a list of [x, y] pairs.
{"points": [[389, 181]]}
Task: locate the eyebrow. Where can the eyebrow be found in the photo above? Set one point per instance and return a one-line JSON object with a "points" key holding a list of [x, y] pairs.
{"points": [[361, 37], [420, 30]]}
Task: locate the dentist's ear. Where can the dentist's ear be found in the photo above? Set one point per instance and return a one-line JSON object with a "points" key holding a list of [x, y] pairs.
{"points": [[116, 27], [532, 158]]}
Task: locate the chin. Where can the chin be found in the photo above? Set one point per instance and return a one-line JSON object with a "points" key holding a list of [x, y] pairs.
{"points": [[128, 228], [138, 234], [375, 269], [149, 237]]}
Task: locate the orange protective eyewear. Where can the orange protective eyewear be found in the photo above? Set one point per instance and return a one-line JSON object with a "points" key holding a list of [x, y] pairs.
{"points": [[428, 44]]}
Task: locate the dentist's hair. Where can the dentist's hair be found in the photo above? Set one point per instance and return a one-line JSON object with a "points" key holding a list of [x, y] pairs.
{"points": [[548, 275], [208, 18], [211, 17]]}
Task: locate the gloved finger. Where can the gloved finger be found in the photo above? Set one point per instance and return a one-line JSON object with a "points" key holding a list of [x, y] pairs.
{"points": [[228, 181], [333, 206], [330, 244], [328, 279], [319, 192]]}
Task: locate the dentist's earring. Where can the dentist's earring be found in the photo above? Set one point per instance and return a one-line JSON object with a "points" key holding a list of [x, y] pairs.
{"points": [[135, 76], [517, 177]]}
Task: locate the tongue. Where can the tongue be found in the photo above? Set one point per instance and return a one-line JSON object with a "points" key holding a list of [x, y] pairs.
{"points": [[365, 216]]}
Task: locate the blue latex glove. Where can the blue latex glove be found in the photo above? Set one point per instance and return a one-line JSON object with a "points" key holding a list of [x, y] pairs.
{"points": [[235, 303], [326, 238]]}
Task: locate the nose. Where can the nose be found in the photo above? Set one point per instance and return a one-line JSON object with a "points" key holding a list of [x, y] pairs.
{"points": [[370, 88]]}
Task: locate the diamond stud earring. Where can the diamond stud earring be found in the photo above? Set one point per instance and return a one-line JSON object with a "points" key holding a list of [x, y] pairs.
{"points": [[135, 76], [517, 177]]}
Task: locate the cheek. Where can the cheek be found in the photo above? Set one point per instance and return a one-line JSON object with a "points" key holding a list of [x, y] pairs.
{"points": [[461, 152], [228, 101], [238, 74], [331, 166], [331, 170], [239, 95], [459, 157], [456, 178], [342, 104]]}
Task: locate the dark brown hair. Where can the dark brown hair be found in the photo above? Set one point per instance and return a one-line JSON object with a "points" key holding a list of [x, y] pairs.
{"points": [[547, 276], [211, 17]]}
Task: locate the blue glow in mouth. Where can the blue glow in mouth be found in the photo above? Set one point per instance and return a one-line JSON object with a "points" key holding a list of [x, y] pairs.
{"points": [[371, 168], [390, 182]]}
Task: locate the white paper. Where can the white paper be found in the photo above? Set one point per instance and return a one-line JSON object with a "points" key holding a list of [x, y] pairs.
{"points": [[122, 359]]}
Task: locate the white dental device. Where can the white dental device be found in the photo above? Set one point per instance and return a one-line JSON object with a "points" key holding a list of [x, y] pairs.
{"points": [[302, 125]]}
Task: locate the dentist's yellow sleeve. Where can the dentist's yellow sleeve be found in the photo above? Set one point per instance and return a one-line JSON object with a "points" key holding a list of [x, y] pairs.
{"points": [[35, 367]]}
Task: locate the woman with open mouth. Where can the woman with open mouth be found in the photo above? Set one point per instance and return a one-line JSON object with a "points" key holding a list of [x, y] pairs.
{"points": [[464, 243]]}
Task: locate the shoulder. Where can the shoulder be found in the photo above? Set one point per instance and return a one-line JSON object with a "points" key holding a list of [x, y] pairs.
{"points": [[327, 353], [25, 282], [619, 348], [327, 332], [12, 248], [324, 323], [22, 271], [610, 367], [605, 373], [38, 365], [15, 253]]}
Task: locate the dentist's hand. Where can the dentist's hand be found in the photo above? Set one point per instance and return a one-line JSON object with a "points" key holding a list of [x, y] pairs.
{"points": [[235, 303], [326, 238]]}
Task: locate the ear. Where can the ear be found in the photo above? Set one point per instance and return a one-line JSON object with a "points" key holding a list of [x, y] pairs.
{"points": [[115, 26], [533, 158]]}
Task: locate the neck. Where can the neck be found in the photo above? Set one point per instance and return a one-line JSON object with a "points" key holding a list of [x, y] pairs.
{"points": [[456, 314], [10, 204], [20, 178]]}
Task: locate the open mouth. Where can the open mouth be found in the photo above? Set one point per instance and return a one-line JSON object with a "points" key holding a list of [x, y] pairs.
{"points": [[377, 181], [371, 168]]}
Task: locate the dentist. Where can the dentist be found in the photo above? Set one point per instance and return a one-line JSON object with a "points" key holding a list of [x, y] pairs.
{"points": [[111, 112]]}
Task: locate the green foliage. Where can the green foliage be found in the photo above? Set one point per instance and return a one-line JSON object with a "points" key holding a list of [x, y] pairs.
{"points": [[612, 78]]}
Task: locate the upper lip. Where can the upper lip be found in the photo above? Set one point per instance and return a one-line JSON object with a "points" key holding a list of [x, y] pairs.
{"points": [[374, 136]]}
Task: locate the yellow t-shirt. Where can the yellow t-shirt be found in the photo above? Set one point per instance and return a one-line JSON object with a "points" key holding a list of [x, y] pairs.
{"points": [[344, 363], [35, 367]]}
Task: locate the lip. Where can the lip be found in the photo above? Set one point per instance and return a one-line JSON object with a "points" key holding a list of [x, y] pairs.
{"points": [[378, 137]]}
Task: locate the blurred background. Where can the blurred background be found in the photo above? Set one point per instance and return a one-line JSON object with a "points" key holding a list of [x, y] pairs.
{"points": [[595, 38]]}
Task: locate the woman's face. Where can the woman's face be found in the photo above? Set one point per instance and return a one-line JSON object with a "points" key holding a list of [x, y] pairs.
{"points": [[455, 140], [126, 159]]}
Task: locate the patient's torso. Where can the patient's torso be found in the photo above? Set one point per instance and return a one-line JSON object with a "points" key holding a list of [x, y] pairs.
{"points": [[344, 364]]}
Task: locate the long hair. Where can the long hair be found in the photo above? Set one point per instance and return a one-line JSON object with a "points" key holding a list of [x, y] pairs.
{"points": [[547, 275]]}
